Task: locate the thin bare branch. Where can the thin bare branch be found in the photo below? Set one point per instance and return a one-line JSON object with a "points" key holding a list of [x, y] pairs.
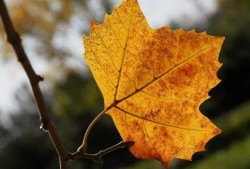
{"points": [[98, 156], [15, 40]]}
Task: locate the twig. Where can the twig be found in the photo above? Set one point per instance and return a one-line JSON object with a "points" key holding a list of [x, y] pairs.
{"points": [[15, 40], [98, 156]]}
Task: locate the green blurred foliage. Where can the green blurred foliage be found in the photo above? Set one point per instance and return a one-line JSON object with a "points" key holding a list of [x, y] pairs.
{"points": [[235, 156], [84, 95], [234, 143], [232, 21]]}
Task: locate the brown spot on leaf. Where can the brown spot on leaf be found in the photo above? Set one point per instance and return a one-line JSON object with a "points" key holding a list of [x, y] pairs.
{"points": [[173, 68]]}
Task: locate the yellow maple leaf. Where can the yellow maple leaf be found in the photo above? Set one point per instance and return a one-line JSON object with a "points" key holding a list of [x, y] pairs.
{"points": [[153, 82]]}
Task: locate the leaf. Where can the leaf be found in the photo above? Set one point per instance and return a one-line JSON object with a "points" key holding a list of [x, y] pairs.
{"points": [[153, 82]]}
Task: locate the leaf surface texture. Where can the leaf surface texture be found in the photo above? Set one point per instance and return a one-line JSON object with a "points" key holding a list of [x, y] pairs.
{"points": [[153, 82]]}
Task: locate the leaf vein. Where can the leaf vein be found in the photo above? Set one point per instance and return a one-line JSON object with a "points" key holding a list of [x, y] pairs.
{"points": [[108, 50], [97, 61], [163, 124], [169, 70], [123, 55]]}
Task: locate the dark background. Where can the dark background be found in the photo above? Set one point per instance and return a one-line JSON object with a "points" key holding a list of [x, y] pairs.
{"points": [[75, 100]]}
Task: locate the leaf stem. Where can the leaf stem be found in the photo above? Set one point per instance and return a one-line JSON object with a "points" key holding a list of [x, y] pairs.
{"points": [[83, 147], [62, 164]]}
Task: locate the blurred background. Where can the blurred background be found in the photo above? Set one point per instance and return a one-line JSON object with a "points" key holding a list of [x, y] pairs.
{"points": [[52, 36]]}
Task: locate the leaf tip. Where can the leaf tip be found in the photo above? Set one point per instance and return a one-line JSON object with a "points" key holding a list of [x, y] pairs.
{"points": [[93, 22], [192, 30], [164, 163], [217, 131]]}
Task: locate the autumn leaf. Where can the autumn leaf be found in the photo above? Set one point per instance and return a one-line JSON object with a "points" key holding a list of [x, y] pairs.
{"points": [[153, 82]]}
